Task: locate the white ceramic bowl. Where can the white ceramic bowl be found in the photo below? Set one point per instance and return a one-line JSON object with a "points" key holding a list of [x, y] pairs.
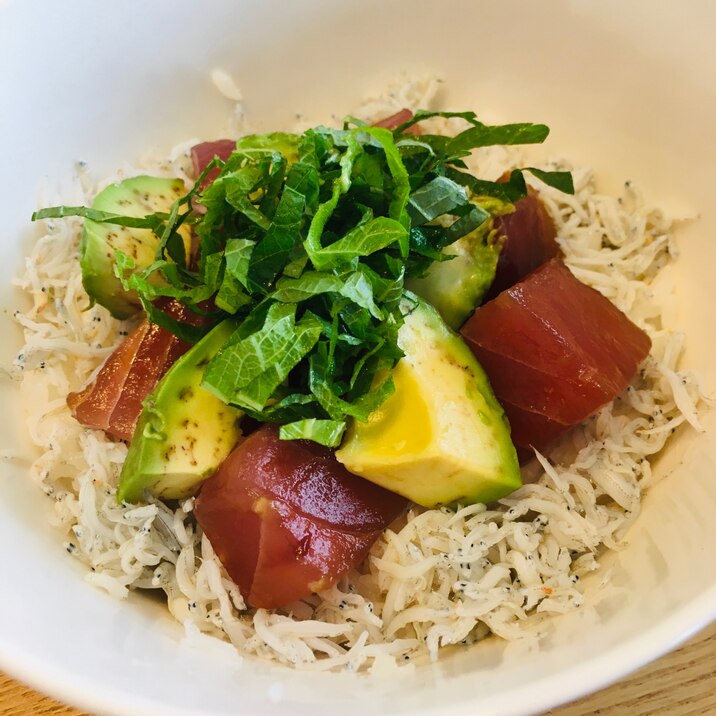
{"points": [[626, 87]]}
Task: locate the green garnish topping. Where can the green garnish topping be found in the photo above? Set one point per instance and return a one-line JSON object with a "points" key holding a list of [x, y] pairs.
{"points": [[305, 241], [325, 432]]}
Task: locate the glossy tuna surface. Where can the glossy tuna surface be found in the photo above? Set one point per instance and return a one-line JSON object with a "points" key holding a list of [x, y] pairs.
{"points": [[529, 241], [286, 518], [555, 351], [113, 400]]}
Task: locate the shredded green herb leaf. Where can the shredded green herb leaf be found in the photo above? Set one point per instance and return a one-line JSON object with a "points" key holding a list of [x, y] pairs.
{"points": [[305, 241], [325, 432]]}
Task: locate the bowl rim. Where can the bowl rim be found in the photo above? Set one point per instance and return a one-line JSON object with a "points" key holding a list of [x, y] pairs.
{"points": [[545, 693]]}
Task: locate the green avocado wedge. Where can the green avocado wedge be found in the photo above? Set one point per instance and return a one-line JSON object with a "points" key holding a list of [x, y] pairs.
{"points": [[442, 437], [184, 432], [456, 287], [135, 197]]}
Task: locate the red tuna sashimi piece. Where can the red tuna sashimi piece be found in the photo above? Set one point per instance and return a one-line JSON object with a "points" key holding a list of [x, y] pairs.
{"points": [[93, 405], [554, 349], [204, 152], [539, 391], [395, 120], [529, 241], [530, 428], [113, 401], [286, 518]]}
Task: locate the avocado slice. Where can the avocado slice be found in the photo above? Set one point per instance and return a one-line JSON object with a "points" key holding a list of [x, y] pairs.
{"points": [[442, 437], [455, 287], [184, 432], [137, 197]]}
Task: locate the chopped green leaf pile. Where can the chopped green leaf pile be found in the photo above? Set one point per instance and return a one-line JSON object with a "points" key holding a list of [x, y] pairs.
{"points": [[306, 240]]}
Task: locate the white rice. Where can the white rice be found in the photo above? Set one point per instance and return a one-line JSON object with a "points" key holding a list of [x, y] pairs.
{"points": [[441, 577]]}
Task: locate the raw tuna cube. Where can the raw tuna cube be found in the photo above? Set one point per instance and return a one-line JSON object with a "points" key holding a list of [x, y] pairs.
{"points": [[395, 120], [555, 351], [113, 401], [286, 518], [204, 152], [529, 241]]}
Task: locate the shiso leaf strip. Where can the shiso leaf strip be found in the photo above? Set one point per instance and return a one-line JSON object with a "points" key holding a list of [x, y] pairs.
{"points": [[305, 241]]}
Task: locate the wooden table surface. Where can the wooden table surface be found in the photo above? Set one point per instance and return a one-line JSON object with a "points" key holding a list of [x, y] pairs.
{"points": [[682, 683]]}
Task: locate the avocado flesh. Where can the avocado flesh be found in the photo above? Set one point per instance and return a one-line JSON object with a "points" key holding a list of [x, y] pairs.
{"points": [[442, 437], [457, 286], [184, 432], [137, 197]]}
